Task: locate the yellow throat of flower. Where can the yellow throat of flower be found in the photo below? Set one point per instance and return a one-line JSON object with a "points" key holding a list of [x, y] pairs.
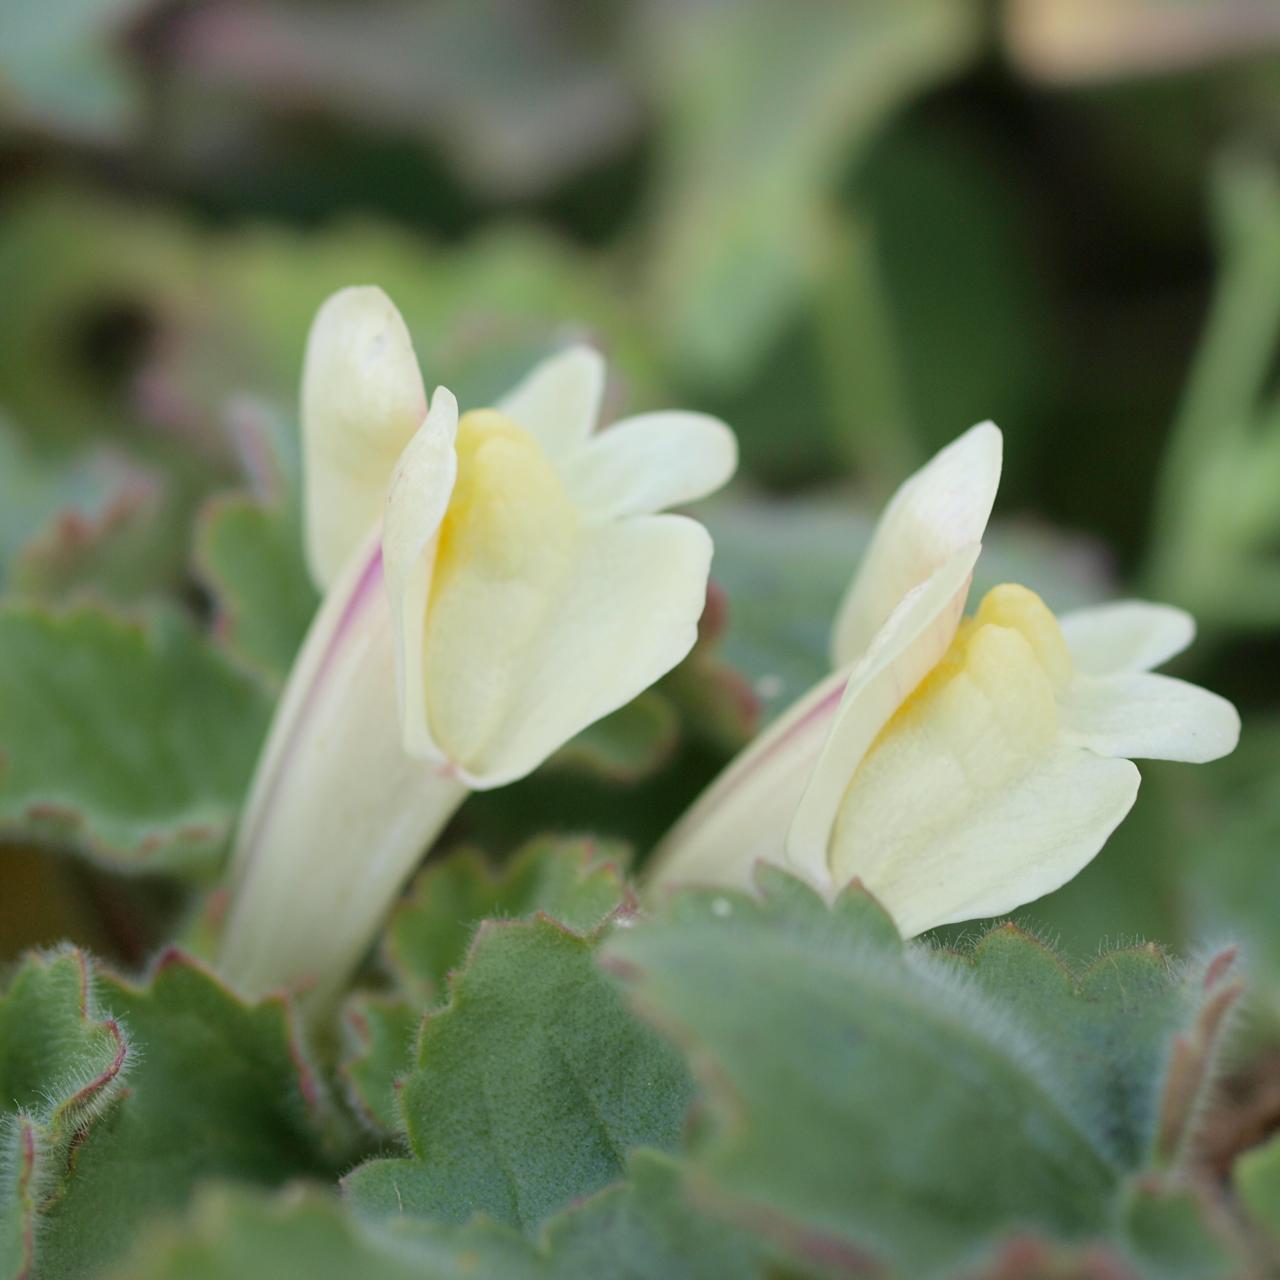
{"points": [[505, 548], [1012, 623], [977, 720]]}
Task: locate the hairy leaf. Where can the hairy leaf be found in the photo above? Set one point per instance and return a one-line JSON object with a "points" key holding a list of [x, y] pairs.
{"points": [[62, 1062], [53, 506], [639, 1230], [218, 1089], [131, 741], [869, 1102], [1108, 1030], [249, 552], [1257, 1178], [576, 882], [529, 1088]]}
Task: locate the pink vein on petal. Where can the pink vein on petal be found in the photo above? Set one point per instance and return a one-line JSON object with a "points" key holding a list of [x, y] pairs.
{"points": [[783, 735], [362, 595]]}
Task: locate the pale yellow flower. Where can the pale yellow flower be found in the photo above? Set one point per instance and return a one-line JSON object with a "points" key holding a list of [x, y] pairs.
{"points": [[494, 583], [959, 768]]}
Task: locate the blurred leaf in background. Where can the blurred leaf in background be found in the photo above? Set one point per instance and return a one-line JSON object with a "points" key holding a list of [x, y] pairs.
{"points": [[768, 103], [518, 94], [61, 66]]}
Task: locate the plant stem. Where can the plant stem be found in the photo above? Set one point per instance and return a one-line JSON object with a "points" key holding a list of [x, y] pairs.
{"points": [[1227, 378], [860, 360]]}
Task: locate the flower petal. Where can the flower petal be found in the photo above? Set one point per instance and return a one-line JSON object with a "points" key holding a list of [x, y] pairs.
{"points": [[997, 849], [417, 499], [1149, 717], [746, 812], [905, 650], [627, 613], [559, 400], [973, 802], [362, 400], [339, 815], [1126, 635], [943, 507], [651, 462]]}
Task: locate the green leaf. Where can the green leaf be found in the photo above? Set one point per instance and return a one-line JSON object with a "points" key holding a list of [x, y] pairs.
{"points": [[218, 1088], [576, 882], [249, 548], [866, 1101], [380, 1032], [1232, 833], [58, 65], [529, 1088], [799, 90], [249, 554], [1108, 1030], [55, 500], [124, 552], [480, 316], [234, 1235], [132, 741], [1172, 1231], [632, 743], [62, 1062], [211, 313], [1030, 1257], [1257, 1178], [639, 1230], [646, 1229]]}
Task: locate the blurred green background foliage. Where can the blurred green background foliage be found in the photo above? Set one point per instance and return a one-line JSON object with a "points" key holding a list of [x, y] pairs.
{"points": [[850, 228]]}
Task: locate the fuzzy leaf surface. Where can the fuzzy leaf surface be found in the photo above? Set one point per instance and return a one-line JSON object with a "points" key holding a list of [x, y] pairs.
{"points": [[232, 1234], [219, 1089], [530, 1087], [576, 882], [646, 1229], [1257, 1179], [380, 1032], [123, 552], [131, 741], [249, 552], [1108, 1030], [53, 508], [62, 1063], [865, 1102], [642, 1229], [1175, 1232]]}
